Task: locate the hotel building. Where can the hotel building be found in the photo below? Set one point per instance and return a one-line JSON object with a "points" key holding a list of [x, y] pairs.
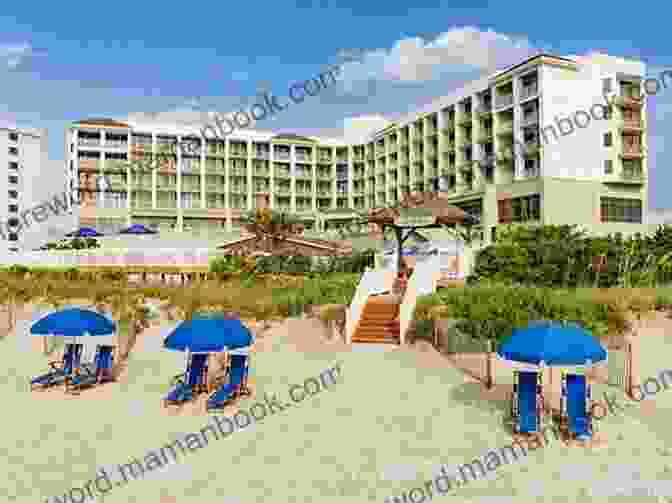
{"points": [[532, 143], [23, 155]]}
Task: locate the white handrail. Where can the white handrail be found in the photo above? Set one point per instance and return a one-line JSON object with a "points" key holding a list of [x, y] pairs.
{"points": [[423, 281]]}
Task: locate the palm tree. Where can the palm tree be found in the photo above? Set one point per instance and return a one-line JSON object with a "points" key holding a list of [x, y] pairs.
{"points": [[128, 306]]}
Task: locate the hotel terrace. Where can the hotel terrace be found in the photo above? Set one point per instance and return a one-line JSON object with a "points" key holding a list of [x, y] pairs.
{"points": [[494, 148]]}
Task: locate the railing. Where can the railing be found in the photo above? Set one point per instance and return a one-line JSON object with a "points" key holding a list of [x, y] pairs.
{"points": [[111, 257], [422, 282], [371, 282], [504, 101], [528, 91]]}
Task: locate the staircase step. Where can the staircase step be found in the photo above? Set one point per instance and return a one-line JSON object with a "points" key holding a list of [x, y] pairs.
{"points": [[376, 340]]}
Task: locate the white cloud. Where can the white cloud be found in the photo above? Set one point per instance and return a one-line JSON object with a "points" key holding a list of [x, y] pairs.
{"points": [[457, 50], [12, 55]]}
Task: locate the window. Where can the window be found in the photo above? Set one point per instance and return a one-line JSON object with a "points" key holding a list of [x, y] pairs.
{"points": [[606, 86], [13, 151], [13, 165], [13, 236], [607, 140], [13, 221], [13, 136], [13, 179], [613, 209], [608, 167], [519, 209], [13, 193], [13, 208]]}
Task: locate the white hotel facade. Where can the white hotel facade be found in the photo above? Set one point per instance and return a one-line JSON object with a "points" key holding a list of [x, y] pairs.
{"points": [[500, 147]]}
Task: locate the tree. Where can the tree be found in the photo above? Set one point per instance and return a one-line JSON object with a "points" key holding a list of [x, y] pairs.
{"points": [[127, 306]]}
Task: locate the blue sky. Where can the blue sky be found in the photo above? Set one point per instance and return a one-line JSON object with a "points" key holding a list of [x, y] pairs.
{"points": [[59, 64]]}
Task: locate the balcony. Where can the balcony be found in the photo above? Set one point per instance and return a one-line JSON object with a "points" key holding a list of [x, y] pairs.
{"points": [[303, 175], [484, 136], [632, 126], [90, 142], [88, 164], [324, 175], [465, 166], [282, 155], [431, 130], [531, 119], [235, 152], [484, 111], [465, 120], [449, 129], [532, 148], [504, 101], [281, 174], [505, 128], [529, 91], [431, 152], [633, 175], [262, 154], [238, 172], [282, 189], [359, 156], [263, 173], [303, 157], [629, 101], [632, 152], [262, 189], [116, 145]]}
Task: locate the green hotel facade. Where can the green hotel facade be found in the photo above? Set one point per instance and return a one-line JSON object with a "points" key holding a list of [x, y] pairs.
{"points": [[535, 143]]}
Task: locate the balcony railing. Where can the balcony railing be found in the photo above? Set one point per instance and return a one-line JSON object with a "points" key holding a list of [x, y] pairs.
{"points": [[529, 91], [505, 128], [632, 151], [303, 157], [532, 148], [89, 142], [280, 154], [484, 110], [632, 125], [116, 144], [262, 154], [504, 101], [629, 100], [632, 174], [484, 136], [530, 120]]}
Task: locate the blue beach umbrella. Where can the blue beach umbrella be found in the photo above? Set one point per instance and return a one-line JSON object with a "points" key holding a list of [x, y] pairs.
{"points": [[84, 232], [552, 343], [77, 325], [137, 229], [209, 334]]}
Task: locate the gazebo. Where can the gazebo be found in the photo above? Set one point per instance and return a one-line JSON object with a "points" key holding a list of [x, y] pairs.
{"points": [[423, 211]]}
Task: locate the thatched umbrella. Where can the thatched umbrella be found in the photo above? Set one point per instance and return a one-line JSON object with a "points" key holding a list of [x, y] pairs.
{"points": [[441, 212]]}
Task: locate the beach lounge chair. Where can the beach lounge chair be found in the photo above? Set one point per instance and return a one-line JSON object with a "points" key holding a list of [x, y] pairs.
{"points": [[60, 370], [92, 374], [192, 381], [236, 386], [576, 406], [526, 403]]}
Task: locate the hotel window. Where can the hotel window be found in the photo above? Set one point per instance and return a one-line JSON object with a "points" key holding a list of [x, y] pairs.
{"points": [[13, 179], [13, 236], [13, 208], [13, 165], [13, 151], [13, 136], [607, 140], [608, 167], [614, 209], [13, 193], [519, 209], [606, 86]]}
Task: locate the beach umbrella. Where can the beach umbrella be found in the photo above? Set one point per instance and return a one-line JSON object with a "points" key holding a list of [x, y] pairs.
{"points": [[552, 343], [84, 232], [138, 229], [209, 334], [77, 325]]}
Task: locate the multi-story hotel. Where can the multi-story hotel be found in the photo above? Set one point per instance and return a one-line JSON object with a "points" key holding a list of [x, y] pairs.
{"points": [[533, 143], [23, 155]]}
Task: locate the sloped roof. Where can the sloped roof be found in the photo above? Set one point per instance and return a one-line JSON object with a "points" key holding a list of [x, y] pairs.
{"points": [[98, 121]]}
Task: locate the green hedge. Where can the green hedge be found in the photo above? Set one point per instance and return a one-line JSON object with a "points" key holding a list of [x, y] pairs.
{"points": [[563, 256]]}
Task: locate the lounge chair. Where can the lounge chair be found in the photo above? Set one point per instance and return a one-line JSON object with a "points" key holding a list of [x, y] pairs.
{"points": [[576, 406], [236, 386], [92, 374], [526, 403], [193, 380], [60, 370]]}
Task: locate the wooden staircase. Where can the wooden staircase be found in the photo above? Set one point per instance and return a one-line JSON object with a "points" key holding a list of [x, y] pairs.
{"points": [[379, 322]]}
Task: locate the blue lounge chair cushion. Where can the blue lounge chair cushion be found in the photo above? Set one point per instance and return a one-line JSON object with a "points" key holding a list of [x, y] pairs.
{"points": [[71, 360], [527, 402], [180, 393], [195, 373], [103, 358], [577, 415], [221, 396]]}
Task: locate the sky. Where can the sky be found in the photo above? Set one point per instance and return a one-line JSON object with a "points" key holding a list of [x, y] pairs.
{"points": [[59, 65]]}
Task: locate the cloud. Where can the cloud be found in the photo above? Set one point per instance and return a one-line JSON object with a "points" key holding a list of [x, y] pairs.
{"points": [[16, 56], [458, 50]]}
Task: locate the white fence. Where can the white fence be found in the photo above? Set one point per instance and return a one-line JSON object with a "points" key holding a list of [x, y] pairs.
{"points": [[112, 257]]}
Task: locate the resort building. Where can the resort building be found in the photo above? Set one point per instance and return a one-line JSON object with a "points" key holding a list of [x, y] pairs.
{"points": [[23, 156], [536, 142]]}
